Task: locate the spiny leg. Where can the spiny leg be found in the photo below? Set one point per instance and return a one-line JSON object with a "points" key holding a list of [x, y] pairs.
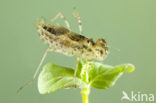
{"points": [[75, 72], [36, 72], [64, 19], [77, 16]]}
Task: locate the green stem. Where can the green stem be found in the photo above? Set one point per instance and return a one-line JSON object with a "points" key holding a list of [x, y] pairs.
{"points": [[85, 95]]}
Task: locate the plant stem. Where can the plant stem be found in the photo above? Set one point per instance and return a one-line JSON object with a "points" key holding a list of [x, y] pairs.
{"points": [[85, 93]]}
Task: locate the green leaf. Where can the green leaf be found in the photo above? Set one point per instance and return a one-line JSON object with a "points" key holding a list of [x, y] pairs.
{"points": [[104, 76], [89, 74], [54, 77], [99, 75]]}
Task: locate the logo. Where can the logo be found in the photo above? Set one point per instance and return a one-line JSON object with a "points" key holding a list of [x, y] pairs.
{"points": [[137, 96]]}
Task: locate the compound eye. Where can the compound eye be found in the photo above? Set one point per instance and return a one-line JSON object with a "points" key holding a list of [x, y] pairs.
{"points": [[45, 27], [102, 40]]}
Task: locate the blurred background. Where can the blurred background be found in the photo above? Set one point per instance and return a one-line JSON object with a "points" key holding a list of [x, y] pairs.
{"points": [[127, 25]]}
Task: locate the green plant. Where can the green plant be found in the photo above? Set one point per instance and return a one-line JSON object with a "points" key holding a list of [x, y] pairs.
{"points": [[90, 74]]}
